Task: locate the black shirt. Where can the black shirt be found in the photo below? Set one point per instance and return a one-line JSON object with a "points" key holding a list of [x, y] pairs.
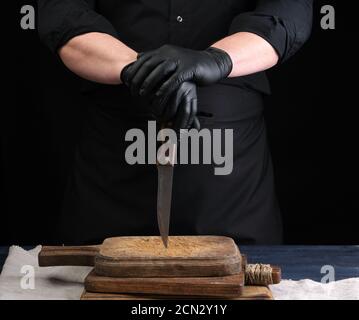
{"points": [[148, 24]]}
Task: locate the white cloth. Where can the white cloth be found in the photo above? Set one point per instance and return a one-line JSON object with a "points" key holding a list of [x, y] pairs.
{"points": [[51, 283], [66, 283], [347, 289]]}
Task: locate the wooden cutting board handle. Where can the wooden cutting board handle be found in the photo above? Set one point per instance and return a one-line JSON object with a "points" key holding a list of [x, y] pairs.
{"points": [[51, 256]]}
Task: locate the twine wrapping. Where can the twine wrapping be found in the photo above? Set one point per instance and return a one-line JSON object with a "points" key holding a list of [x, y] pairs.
{"points": [[258, 274]]}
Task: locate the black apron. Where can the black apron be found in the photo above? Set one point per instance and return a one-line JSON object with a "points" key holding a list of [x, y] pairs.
{"points": [[108, 197]]}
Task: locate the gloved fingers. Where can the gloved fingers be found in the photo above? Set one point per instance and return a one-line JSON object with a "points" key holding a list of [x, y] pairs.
{"points": [[124, 73], [193, 114], [131, 71], [173, 83], [157, 77], [185, 91], [183, 115], [194, 121], [163, 102], [142, 73], [169, 108], [172, 105]]}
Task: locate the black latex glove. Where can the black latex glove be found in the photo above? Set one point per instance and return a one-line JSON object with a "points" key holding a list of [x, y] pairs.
{"points": [[160, 72], [180, 110]]}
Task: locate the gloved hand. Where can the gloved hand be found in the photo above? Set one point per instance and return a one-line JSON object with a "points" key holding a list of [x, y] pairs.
{"points": [[160, 72], [181, 109]]}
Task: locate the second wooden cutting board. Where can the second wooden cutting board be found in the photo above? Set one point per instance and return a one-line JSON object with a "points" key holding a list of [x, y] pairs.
{"points": [[227, 286]]}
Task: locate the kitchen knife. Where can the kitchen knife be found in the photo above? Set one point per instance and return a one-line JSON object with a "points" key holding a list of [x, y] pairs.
{"points": [[165, 168]]}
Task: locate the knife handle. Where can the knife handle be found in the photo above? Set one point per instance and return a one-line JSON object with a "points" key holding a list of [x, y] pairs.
{"points": [[51, 256]]}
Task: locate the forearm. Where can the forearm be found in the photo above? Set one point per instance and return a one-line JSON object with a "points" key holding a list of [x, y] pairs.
{"points": [[98, 57], [249, 53]]}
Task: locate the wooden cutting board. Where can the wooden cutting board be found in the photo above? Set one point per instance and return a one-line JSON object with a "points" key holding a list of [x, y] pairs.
{"points": [[227, 286], [247, 293], [186, 256]]}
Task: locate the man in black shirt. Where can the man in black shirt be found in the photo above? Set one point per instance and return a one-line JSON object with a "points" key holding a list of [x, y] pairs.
{"points": [[232, 42]]}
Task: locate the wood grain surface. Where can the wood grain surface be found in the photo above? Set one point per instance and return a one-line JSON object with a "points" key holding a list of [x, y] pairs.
{"points": [[227, 286], [186, 256], [247, 293], [179, 247]]}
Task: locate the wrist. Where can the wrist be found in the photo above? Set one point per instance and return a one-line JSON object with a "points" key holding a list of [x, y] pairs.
{"points": [[223, 60]]}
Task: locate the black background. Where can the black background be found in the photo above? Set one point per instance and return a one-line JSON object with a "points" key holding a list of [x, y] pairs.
{"points": [[312, 130]]}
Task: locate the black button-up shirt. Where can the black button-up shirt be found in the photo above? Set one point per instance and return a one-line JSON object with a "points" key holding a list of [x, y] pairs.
{"points": [[148, 24]]}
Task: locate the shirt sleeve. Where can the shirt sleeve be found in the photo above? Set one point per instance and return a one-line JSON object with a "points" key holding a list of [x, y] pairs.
{"points": [[61, 20], [285, 24]]}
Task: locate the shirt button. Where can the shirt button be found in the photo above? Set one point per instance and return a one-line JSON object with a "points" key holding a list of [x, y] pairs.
{"points": [[180, 19]]}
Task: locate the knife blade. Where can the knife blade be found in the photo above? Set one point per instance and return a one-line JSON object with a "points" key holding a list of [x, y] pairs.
{"points": [[165, 168]]}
